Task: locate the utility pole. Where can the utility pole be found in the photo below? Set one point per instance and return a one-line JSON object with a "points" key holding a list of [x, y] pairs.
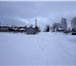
{"points": [[35, 22], [0, 25]]}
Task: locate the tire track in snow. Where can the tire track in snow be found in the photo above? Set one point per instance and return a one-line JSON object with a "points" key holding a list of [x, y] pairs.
{"points": [[69, 57], [43, 50]]}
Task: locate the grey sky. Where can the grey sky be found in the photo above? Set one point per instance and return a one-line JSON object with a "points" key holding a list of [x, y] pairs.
{"points": [[26, 12]]}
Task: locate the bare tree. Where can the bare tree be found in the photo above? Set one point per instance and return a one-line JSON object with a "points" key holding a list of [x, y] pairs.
{"points": [[73, 24], [64, 23], [56, 26]]}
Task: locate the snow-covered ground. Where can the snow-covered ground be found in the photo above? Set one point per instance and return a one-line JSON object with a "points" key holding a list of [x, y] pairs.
{"points": [[41, 49]]}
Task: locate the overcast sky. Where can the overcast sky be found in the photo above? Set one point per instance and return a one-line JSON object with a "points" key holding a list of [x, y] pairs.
{"points": [[26, 12]]}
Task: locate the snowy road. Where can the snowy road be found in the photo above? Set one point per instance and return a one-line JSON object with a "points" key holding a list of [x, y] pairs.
{"points": [[42, 49]]}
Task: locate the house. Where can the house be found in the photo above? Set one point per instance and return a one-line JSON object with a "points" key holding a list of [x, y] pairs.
{"points": [[60, 30], [4, 28], [31, 30], [36, 28]]}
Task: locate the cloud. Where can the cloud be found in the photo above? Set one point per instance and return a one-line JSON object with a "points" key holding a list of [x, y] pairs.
{"points": [[27, 12], [22, 20]]}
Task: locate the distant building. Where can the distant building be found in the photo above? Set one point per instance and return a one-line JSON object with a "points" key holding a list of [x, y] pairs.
{"points": [[31, 30], [36, 28], [4, 28], [28, 30]]}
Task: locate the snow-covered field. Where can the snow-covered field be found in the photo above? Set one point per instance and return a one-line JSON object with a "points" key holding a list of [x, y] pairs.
{"points": [[41, 49]]}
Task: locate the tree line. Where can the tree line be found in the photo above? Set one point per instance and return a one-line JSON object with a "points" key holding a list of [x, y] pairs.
{"points": [[62, 26]]}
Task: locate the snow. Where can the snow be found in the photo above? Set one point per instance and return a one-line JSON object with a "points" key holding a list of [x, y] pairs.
{"points": [[41, 49]]}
